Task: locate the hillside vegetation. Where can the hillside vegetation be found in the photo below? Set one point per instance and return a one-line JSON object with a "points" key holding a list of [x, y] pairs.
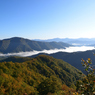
{"points": [[36, 76], [17, 44], [74, 58]]}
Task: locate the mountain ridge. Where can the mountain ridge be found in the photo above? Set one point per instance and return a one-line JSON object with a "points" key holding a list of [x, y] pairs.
{"points": [[22, 75], [77, 41], [18, 44], [73, 58]]}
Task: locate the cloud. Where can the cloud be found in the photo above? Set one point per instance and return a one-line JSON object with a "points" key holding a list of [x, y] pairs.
{"points": [[68, 49]]}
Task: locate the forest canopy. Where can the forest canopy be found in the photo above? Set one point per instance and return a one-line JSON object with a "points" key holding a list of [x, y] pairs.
{"points": [[36, 76]]}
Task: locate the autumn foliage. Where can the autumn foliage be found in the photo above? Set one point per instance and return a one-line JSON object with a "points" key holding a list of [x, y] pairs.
{"points": [[43, 75], [86, 86]]}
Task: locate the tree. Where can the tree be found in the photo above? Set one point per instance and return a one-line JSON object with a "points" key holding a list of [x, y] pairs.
{"points": [[49, 85], [86, 86]]}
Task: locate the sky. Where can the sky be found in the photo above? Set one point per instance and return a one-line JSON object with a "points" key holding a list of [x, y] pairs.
{"points": [[46, 19]]}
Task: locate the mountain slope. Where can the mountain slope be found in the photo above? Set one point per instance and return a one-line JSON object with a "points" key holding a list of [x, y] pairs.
{"points": [[17, 44], [74, 58], [15, 59], [26, 76]]}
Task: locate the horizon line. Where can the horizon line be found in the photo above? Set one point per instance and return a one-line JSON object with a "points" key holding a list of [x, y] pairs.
{"points": [[47, 38]]}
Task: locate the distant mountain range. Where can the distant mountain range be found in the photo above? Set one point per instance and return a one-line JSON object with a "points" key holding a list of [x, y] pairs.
{"points": [[17, 44], [77, 42], [30, 72]]}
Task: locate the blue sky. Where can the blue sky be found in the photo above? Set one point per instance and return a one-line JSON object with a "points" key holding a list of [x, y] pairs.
{"points": [[46, 19]]}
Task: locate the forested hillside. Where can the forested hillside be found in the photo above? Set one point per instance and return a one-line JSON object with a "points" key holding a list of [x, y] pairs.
{"points": [[17, 44], [36, 76], [74, 58]]}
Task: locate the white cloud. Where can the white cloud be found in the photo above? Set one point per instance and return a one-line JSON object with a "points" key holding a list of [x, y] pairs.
{"points": [[68, 49]]}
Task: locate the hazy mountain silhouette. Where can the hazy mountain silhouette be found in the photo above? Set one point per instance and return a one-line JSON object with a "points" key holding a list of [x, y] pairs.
{"points": [[77, 41], [17, 44]]}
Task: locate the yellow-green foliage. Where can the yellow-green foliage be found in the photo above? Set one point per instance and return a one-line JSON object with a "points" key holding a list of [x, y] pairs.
{"points": [[86, 86], [42, 74]]}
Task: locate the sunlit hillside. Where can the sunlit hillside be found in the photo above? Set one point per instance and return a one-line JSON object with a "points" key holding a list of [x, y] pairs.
{"points": [[43, 74]]}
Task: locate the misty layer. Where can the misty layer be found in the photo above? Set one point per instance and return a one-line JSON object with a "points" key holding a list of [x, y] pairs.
{"points": [[68, 49]]}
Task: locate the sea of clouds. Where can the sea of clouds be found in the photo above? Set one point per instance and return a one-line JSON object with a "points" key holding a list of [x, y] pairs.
{"points": [[68, 49]]}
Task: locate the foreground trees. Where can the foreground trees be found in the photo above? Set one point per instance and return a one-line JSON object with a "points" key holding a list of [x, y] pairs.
{"points": [[86, 86]]}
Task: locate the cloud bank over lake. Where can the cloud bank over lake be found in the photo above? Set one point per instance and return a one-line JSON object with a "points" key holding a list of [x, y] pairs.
{"points": [[68, 49]]}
